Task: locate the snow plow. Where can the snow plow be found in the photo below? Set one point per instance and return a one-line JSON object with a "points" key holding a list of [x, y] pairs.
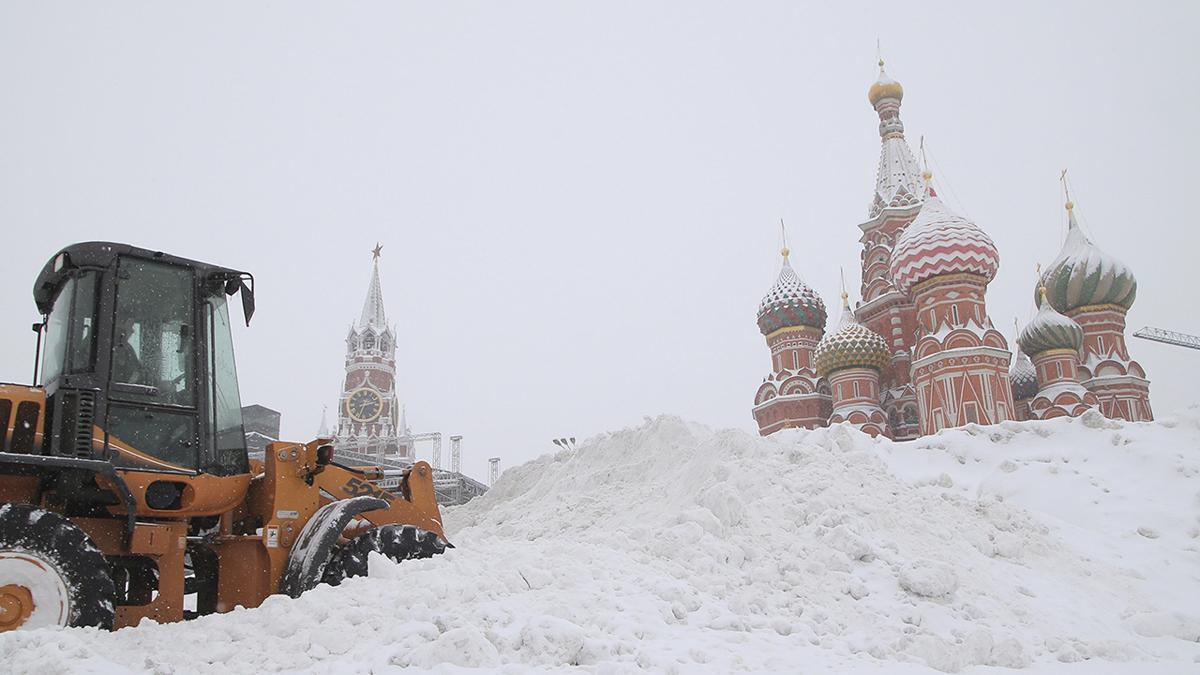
{"points": [[126, 491]]}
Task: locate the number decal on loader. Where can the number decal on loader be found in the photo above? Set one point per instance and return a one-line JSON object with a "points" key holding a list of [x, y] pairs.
{"points": [[356, 487]]}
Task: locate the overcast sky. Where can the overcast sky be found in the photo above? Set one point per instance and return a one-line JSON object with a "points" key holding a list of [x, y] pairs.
{"points": [[578, 202]]}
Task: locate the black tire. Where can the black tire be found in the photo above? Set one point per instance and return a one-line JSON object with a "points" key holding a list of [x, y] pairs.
{"points": [[67, 551], [398, 542]]}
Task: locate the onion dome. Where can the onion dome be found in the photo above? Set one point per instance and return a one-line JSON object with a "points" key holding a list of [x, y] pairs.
{"points": [[1022, 376], [938, 242], [1084, 275], [852, 345], [790, 303], [1050, 330], [884, 87]]}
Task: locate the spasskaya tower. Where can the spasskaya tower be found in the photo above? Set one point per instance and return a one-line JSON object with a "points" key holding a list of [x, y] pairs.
{"points": [[369, 417]]}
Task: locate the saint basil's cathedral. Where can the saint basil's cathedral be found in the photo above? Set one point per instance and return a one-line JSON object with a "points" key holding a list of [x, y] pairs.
{"points": [[920, 353]]}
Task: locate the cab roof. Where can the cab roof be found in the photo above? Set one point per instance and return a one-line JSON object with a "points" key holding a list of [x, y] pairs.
{"points": [[101, 255]]}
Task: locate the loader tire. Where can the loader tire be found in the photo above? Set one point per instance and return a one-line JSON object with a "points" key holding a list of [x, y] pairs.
{"points": [[51, 574], [398, 542]]}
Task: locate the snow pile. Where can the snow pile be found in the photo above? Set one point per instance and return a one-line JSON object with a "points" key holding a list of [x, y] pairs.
{"points": [[673, 548]]}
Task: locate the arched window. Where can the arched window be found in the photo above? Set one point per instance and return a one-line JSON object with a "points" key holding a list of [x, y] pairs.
{"points": [[383, 344], [368, 341]]}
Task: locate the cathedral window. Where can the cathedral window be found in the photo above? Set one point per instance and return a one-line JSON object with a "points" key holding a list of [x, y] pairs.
{"points": [[383, 344], [972, 412], [1100, 343], [353, 344], [856, 392], [368, 341], [954, 313]]}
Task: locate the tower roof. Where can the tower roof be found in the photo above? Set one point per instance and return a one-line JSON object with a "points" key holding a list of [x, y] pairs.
{"points": [[372, 312], [1050, 330], [939, 242], [790, 303], [884, 87], [1022, 376], [1084, 275], [898, 179], [852, 345]]}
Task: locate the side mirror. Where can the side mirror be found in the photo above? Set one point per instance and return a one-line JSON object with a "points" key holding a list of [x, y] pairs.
{"points": [[247, 298]]}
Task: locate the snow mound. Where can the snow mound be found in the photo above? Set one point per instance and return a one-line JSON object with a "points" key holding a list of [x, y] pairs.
{"points": [[671, 547]]}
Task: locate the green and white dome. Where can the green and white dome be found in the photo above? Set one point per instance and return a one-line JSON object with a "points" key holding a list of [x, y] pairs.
{"points": [[1050, 330], [1083, 275]]}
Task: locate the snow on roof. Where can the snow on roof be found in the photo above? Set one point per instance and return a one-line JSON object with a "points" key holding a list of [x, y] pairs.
{"points": [[1050, 330], [938, 242], [372, 312], [852, 345], [1022, 376], [898, 181], [790, 303], [1082, 274]]}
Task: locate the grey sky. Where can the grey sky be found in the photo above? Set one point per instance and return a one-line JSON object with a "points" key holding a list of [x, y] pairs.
{"points": [[578, 202]]}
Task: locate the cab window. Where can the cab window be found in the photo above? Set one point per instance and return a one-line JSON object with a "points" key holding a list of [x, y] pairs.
{"points": [[70, 329], [152, 356], [152, 388]]}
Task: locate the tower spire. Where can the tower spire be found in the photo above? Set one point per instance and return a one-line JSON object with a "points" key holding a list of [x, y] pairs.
{"points": [[898, 180], [372, 311], [323, 430]]}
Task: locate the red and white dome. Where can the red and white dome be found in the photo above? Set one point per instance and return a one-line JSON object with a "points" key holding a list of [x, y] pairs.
{"points": [[938, 242]]}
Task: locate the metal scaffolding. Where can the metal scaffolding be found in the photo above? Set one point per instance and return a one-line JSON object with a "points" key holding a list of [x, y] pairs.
{"points": [[1169, 337]]}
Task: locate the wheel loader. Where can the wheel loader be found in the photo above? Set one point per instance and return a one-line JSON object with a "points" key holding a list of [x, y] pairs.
{"points": [[126, 491]]}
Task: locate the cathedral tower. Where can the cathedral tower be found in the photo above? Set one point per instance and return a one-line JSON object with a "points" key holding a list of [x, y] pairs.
{"points": [[851, 358], [896, 200], [1096, 290], [944, 262], [368, 414], [1022, 380], [792, 318], [1054, 341]]}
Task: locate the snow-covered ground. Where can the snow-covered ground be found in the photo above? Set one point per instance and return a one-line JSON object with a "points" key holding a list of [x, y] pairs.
{"points": [[1064, 546]]}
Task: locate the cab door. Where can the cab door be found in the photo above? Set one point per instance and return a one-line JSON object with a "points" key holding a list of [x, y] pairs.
{"points": [[152, 418]]}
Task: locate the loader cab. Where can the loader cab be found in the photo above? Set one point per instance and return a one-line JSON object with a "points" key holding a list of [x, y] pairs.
{"points": [[138, 362]]}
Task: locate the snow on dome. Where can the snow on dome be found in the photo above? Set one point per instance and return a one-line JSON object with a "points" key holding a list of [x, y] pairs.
{"points": [[1022, 376], [884, 87], [790, 303], [1050, 330], [1084, 275], [853, 345], [939, 242]]}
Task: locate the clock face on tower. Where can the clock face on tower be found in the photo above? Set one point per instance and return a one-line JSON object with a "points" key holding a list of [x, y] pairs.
{"points": [[364, 405]]}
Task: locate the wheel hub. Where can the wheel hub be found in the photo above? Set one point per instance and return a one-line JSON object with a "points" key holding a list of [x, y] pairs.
{"points": [[32, 592], [16, 605]]}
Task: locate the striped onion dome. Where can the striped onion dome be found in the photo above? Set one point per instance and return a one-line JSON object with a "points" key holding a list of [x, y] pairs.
{"points": [[1023, 377], [1084, 275], [938, 242], [1050, 330], [790, 303], [852, 345]]}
